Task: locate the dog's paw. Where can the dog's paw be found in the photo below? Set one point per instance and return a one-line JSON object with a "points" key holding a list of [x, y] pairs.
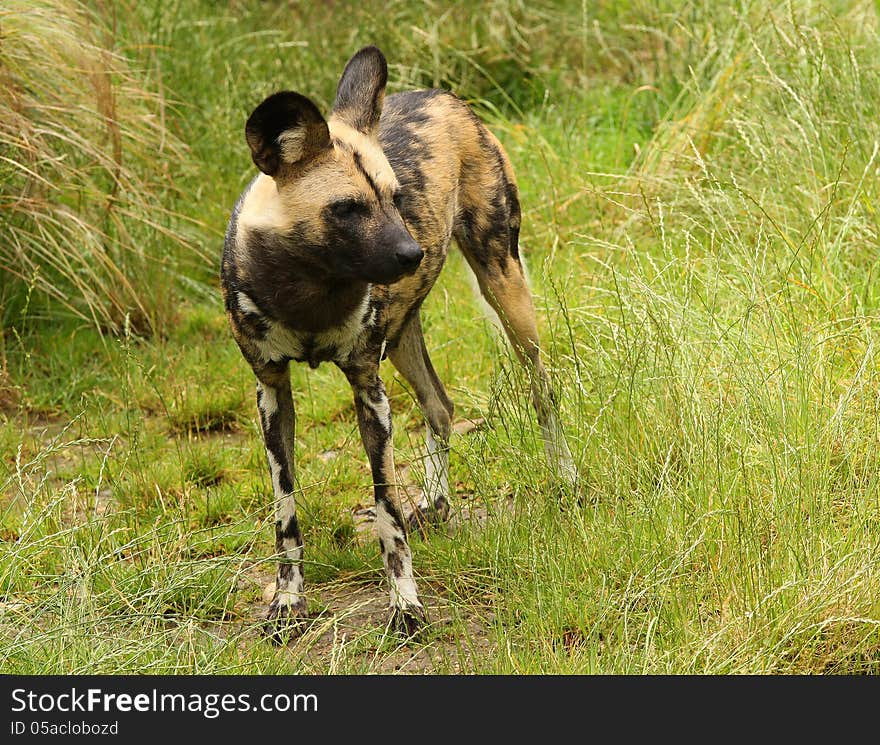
{"points": [[424, 517], [407, 622], [285, 622]]}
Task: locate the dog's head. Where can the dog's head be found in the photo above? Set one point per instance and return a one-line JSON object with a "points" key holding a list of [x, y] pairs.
{"points": [[336, 191]]}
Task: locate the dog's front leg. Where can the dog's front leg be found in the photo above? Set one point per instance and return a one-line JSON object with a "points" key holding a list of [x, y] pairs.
{"points": [[374, 422], [278, 419]]}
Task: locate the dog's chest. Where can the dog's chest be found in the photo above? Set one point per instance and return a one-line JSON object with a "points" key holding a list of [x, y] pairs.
{"points": [[338, 343]]}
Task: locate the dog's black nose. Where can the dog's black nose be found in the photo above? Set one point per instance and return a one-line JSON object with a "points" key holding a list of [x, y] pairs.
{"points": [[409, 255]]}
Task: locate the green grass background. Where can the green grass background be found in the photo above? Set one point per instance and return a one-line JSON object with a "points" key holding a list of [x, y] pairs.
{"points": [[699, 183]]}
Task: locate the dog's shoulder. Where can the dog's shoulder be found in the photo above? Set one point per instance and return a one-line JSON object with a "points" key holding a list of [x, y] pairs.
{"points": [[423, 119]]}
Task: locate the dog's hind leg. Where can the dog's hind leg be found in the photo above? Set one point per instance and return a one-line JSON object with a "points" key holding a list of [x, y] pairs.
{"points": [[487, 232], [508, 294], [410, 357], [278, 419], [374, 423]]}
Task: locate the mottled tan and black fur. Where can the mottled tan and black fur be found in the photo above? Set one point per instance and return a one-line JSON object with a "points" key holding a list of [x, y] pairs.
{"points": [[330, 252]]}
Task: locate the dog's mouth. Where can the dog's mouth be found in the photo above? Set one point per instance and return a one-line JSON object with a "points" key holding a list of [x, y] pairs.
{"points": [[389, 278], [400, 274]]}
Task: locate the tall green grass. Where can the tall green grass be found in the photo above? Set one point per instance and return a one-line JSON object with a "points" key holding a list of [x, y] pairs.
{"points": [[88, 226], [700, 188]]}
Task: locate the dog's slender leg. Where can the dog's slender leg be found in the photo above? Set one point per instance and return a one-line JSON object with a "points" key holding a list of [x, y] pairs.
{"points": [[411, 359], [505, 289], [278, 420], [487, 232], [374, 422], [509, 295]]}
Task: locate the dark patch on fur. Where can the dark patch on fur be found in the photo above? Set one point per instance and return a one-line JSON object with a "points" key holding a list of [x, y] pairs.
{"points": [[375, 440], [395, 518], [411, 106], [395, 564], [291, 530], [407, 152], [252, 325], [285, 566], [514, 220], [492, 242], [293, 279], [359, 164]]}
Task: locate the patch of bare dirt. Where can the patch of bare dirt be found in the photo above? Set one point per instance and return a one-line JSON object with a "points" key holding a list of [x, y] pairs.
{"points": [[349, 633], [354, 612]]}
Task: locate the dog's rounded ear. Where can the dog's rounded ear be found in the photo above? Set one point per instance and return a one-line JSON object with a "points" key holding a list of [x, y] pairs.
{"points": [[285, 129], [361, 90]]}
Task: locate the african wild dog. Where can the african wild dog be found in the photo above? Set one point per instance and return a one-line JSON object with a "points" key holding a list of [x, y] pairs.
{"points": [[330, 252]]}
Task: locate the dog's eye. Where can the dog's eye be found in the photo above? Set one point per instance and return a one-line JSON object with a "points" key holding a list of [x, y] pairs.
{"points": [[398, 200], [346, 208]]}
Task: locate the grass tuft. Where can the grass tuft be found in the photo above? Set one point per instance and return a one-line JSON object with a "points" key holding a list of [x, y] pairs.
{"points": [[87, 175]]}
